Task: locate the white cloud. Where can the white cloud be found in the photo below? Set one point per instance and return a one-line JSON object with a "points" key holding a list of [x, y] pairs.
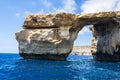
{"points": [[68, 6], [91, 6], [84, 30]]}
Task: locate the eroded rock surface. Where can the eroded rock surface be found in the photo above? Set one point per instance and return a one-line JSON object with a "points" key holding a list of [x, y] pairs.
{"points": [[108, 41], [48, 36], [51, 36]]}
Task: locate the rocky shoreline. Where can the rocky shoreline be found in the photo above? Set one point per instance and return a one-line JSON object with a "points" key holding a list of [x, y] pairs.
{"points": [[81, 50]]}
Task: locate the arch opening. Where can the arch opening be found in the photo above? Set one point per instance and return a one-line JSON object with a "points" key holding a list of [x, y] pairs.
{"points": [[83, 42]]}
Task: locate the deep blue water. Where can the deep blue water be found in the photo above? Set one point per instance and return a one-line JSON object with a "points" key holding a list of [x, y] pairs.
{"points": [[13, 67]]}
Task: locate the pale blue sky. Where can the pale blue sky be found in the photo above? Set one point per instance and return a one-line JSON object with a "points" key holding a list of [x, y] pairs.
{"points": [[13, 12]]}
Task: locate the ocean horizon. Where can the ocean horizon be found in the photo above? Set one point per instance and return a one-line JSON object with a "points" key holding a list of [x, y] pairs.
{"points": [[76, 67]]}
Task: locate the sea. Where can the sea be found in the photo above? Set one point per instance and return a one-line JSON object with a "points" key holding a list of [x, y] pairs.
{"points": [[76, 67]]}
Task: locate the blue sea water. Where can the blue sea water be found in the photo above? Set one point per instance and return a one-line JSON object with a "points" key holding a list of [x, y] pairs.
{"points": [[13, 67]]}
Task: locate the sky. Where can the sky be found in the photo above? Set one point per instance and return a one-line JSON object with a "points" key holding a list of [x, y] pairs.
{"points": [[13, 12]]}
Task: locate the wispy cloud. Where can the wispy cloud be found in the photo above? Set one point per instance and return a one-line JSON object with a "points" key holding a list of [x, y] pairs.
{"points": [[91, 6], [68, 6], [84, 30]]}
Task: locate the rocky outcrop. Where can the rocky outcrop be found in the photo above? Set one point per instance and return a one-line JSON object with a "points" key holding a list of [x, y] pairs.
{"points": [[51, 36], [48, 36]]}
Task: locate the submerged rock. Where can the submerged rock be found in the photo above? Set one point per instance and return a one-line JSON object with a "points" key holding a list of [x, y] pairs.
{"points": [[51, 36]]}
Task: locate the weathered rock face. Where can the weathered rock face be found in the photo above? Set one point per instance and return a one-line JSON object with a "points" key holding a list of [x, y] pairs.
{"points": [[106, 35], [51, 36], [108, 41], [48, 36]]}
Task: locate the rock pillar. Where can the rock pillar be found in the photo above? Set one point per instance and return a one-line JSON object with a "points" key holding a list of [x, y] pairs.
{"points": [[108, 41]]}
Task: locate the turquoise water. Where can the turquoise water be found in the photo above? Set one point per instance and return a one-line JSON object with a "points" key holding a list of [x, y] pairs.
{"points": [[13, 67]]}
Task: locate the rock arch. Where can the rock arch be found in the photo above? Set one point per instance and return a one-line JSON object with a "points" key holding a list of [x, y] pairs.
{"points": [[51, 36]]}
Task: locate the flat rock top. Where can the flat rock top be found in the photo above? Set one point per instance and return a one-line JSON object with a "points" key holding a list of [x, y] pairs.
{"points": [[36, 21], [49, 20], [100, 15]]}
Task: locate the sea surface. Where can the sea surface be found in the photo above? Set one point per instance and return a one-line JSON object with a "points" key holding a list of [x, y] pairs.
{"points": [[13, 67]]}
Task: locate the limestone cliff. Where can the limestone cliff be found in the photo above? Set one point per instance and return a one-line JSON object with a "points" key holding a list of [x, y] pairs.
{"points": [[51, 36], [48, 36]]}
